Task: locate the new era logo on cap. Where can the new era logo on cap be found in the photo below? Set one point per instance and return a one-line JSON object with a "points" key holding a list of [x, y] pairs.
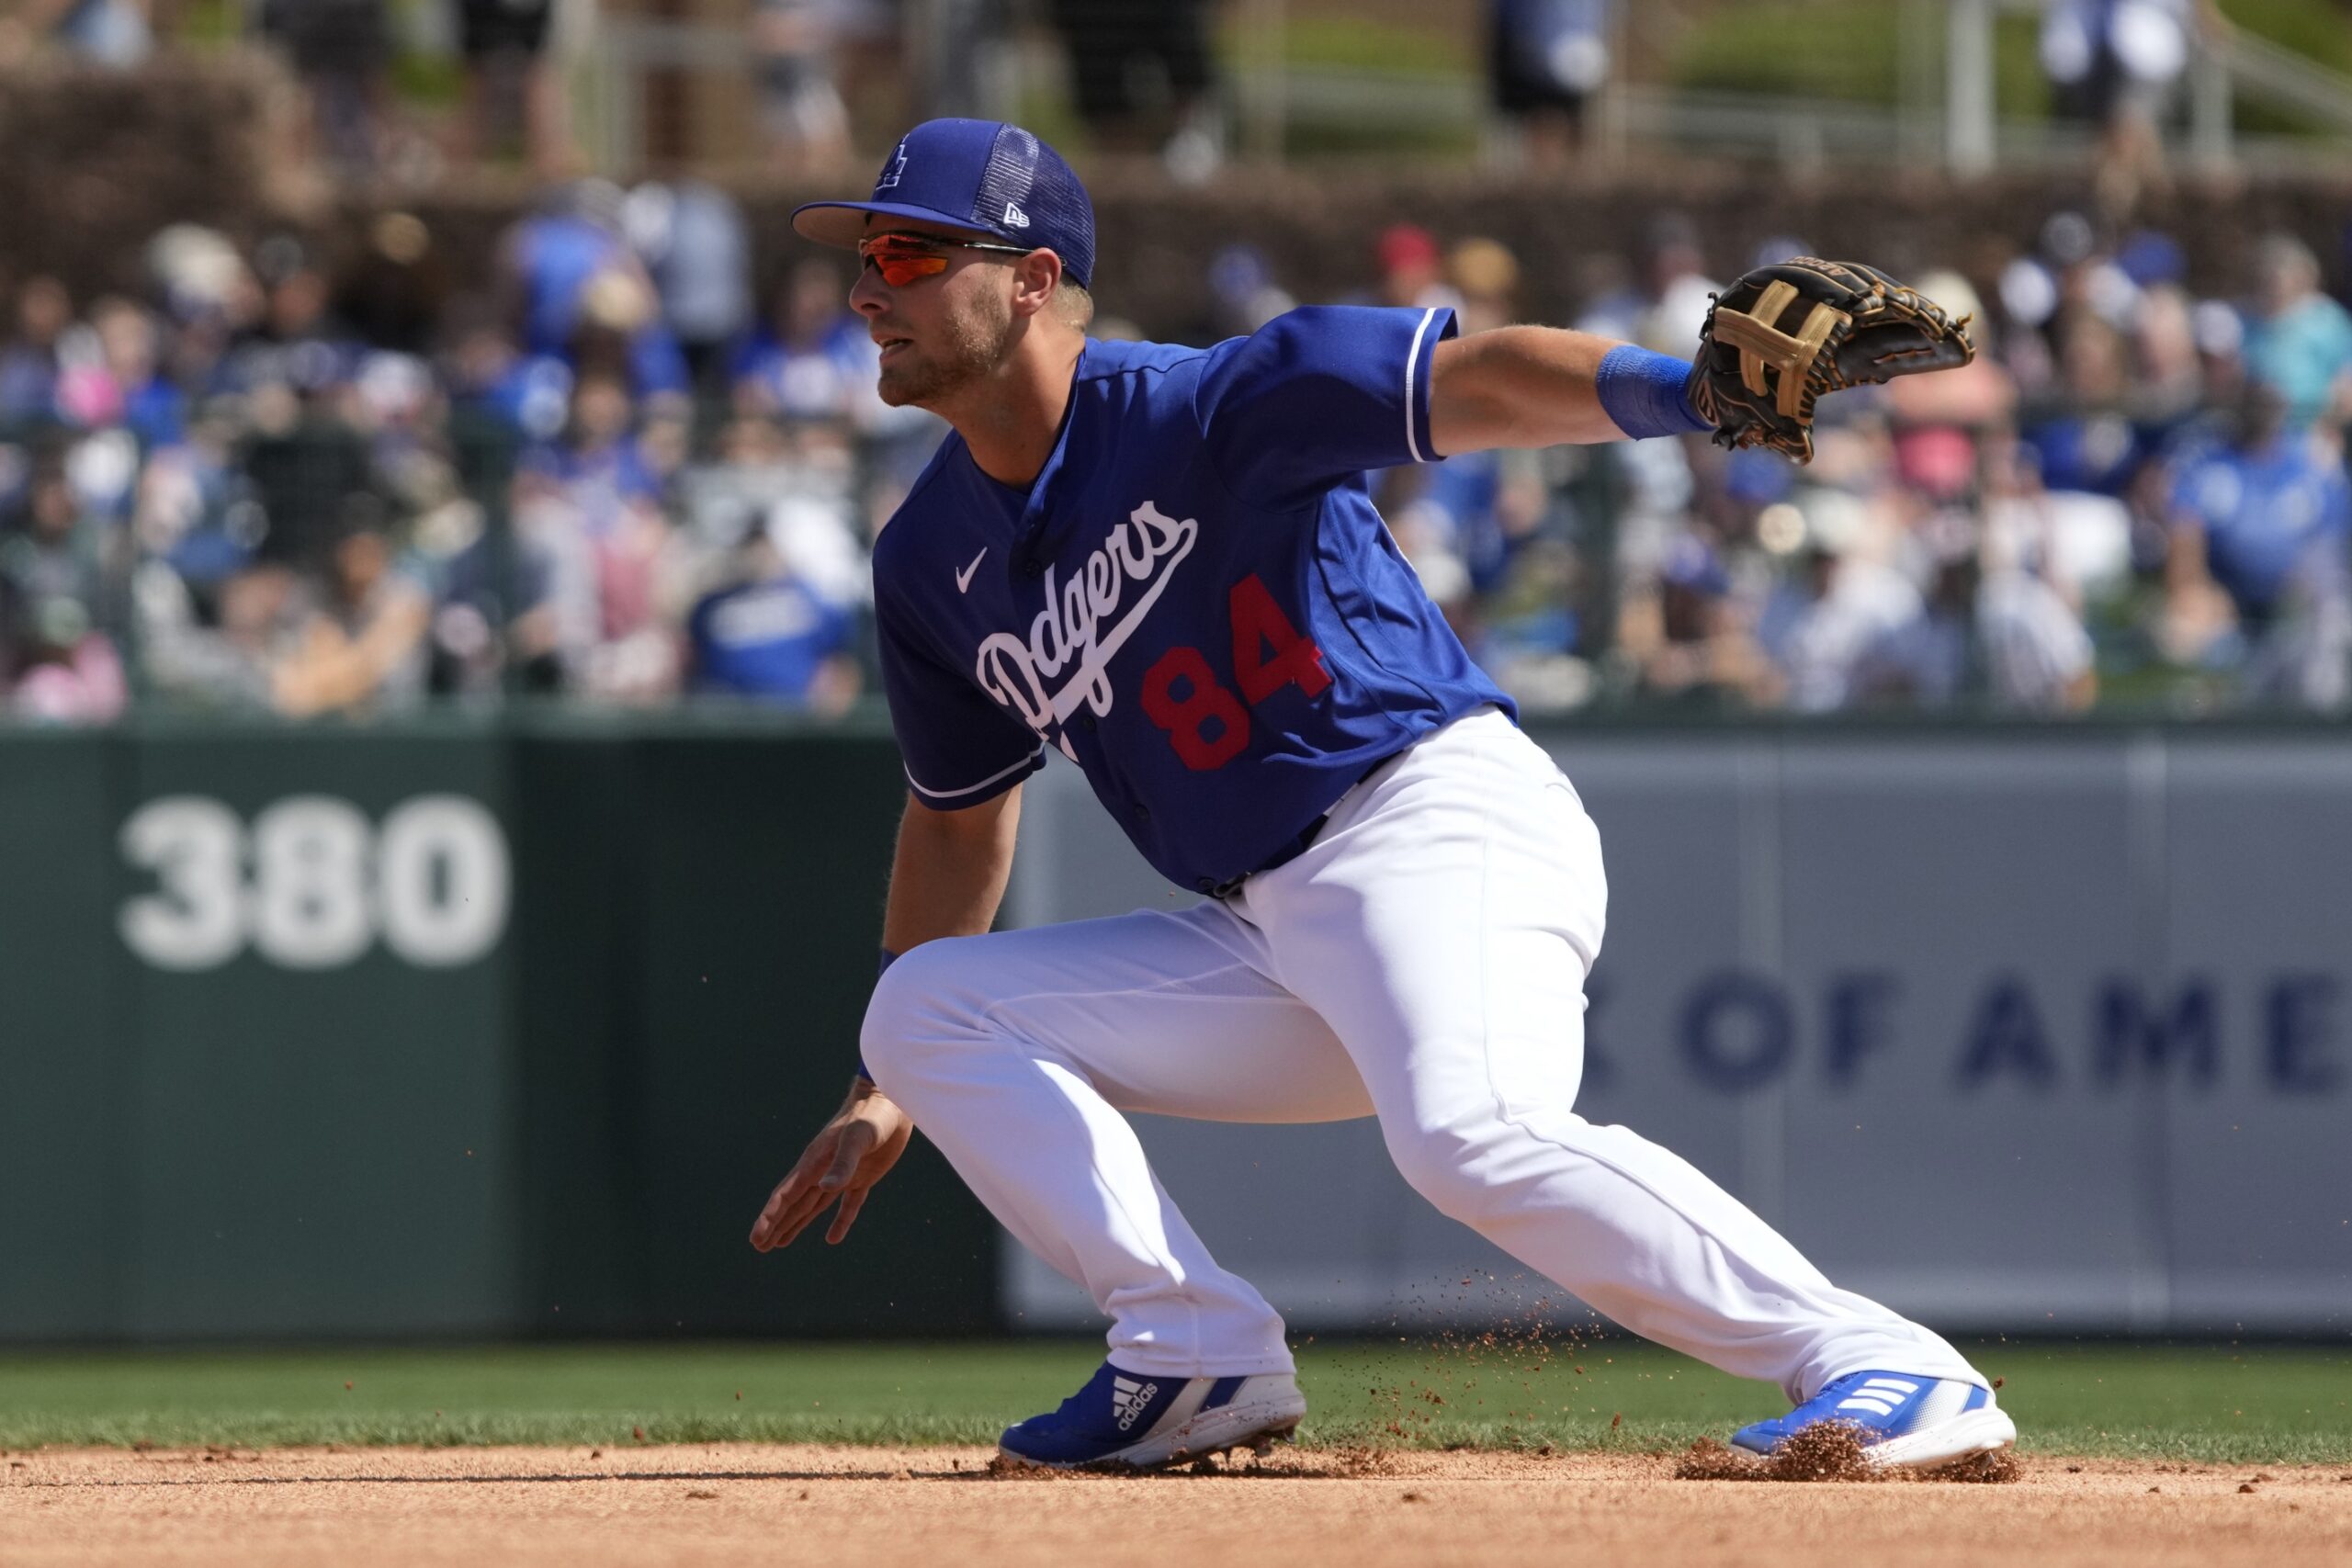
{"points": [[977, 175]]}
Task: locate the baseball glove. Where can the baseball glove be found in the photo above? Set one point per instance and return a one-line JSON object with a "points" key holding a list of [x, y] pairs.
{"points": [[1782, 335]]}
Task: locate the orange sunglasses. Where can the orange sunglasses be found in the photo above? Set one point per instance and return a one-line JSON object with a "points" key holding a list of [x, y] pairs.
{"points": [[904, 258]]}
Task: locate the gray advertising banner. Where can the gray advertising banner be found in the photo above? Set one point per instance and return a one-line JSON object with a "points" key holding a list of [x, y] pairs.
{"points": [[2014, 1031]]}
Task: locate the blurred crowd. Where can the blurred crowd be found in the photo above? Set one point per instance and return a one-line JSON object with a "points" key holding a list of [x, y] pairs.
{"points": [[2134, 495], [623, 473], [634, 469]]}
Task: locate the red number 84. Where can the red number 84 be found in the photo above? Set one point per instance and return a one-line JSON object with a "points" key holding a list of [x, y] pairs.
{"points": [[1207, 724]]}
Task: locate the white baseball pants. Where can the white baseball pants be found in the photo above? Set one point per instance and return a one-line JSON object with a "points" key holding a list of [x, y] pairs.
{"points": [[1423, 961]]}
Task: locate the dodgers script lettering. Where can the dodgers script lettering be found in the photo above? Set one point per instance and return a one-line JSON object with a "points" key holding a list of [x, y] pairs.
{"points": [[1068, 636]]}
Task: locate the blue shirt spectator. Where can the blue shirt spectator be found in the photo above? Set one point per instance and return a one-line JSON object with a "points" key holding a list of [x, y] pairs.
{"points": [[772, 637], [2266, 510], [813, 359], [574, 272]]}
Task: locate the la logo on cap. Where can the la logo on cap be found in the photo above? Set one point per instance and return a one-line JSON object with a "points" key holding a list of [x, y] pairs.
{"points": [[898, 166]]}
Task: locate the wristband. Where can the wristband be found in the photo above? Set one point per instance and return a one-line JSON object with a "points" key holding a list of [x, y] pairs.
{"points": [[888, 958], [1642, 392]]}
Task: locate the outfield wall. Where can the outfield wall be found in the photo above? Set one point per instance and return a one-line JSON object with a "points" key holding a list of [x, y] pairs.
{"points": [[446, 1030], [487, 1029]]}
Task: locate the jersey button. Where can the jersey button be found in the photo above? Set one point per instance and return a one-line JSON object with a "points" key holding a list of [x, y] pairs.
{"points": [[1139, 811], [1086, 722], [1206, 884]]}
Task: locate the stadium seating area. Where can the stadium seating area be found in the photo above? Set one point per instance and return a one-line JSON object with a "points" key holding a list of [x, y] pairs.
{"points": [[261, 483]]}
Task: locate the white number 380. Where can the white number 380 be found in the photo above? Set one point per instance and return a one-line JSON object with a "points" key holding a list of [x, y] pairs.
{"points": [[313, 882]]}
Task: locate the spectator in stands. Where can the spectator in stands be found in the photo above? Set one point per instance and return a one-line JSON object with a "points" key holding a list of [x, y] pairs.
{"points": [[2261, 533], [209, 296], [395, 294], [1243, 293], [211, 640], [114, 33], [1689, 635], [812, 358], [137, 395], [591, 507], [691, 236], [2298, 340], [2085, 435], [770, 635], [298, 342], [2002, 640], [1546, 61], [59, 565], [56, 548], [597, 467], [302, 460], [1840, 599], [67, 671], [490, 379], [577, 291], [1412, 270], [342, 50], [363, 644], [29, 365], [1680, 288], [801, 110], [2168, 381], [2118, 64], [1144, 78], [1485, 275], [510, 82]]}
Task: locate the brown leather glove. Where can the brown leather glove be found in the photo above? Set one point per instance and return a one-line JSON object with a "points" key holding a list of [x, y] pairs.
{"points": [[1783, 334]]}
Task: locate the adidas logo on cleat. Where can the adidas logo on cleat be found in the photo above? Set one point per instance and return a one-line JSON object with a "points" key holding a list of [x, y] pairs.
{"points": [[1879, 1395], [1128, 1398]]}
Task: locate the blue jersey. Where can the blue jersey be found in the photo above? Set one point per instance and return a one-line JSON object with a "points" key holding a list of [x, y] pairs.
{"points": [[1195, 600], [766, 640], [2266, 516]]}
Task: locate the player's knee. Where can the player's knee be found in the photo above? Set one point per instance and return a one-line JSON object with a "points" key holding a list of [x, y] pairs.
{"points": [[1449, 1163], [913, 1011], [1440, 1165]]}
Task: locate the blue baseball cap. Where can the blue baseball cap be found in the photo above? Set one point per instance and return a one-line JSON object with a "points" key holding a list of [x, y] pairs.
{"points": [[974, 174]]}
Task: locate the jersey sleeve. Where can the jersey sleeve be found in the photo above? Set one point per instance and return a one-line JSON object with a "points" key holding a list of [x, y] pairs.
{"points": [[1317, 395], [960, 749]]}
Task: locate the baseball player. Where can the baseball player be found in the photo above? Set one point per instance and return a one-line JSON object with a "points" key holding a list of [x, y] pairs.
{"points": [[1163, 563]]}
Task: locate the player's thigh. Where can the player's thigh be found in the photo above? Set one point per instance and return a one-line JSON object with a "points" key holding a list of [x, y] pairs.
{"points": [[1443, 928], [1160, 1011]]}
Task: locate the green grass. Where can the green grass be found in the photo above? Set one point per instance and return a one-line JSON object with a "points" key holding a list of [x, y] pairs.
{"points": [[2250, 1404]]}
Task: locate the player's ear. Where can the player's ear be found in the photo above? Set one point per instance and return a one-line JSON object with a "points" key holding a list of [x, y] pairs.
{"points": [[1034, 277]]}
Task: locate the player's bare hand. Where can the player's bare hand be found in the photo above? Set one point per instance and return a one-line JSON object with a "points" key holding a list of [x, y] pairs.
{"points": [[842, 1162]]}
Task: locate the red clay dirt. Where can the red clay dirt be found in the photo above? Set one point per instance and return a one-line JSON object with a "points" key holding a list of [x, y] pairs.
{"points": [[743, 1506]]}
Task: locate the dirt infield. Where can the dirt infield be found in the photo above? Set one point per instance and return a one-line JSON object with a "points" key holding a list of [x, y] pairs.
{"points": [[647, 1507]]}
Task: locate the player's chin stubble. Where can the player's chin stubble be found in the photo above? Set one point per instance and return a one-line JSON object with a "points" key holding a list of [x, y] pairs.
{"points": [[976, 343]]}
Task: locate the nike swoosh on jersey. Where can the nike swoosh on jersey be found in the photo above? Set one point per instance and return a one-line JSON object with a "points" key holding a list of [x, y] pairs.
{"points": [[964, 577]]}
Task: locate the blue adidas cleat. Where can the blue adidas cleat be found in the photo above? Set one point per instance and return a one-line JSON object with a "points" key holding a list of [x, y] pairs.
{"points": [[1138, 1421], [1905, 1420]]}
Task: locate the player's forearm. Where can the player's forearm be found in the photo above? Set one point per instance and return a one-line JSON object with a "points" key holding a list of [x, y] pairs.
{"points": [[950, 871], [1545, 387]]}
